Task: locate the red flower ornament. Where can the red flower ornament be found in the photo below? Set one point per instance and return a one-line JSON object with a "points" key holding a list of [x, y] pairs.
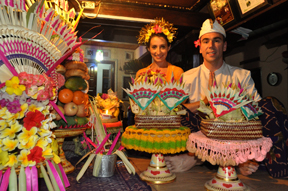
{"points": [[33, 119], [157, 29], [197, 43], [36, 155]]}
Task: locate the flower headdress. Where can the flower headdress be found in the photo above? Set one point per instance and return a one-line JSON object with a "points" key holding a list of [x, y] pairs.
{"points": [[159, 26]]}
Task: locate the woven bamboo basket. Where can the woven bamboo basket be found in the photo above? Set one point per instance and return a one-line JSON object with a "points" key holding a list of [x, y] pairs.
{"points": [[246, 130], [158, 121]]}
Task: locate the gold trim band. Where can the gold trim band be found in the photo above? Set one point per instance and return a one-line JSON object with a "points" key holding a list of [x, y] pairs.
{"points": [[158, 167], [226, 179]]}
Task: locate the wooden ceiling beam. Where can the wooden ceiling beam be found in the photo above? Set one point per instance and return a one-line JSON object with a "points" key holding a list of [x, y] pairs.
{"points": [[178, 18]]}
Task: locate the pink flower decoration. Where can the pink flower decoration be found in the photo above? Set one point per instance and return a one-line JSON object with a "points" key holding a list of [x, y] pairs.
{"points": [[23, 78], [104, 96], [38, 80], [197, 43], [14, 106], [157, 29], [31, 89], [43, 95]]}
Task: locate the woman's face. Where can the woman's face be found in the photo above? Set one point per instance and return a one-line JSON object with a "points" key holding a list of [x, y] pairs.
{"points": [[158, 49]]}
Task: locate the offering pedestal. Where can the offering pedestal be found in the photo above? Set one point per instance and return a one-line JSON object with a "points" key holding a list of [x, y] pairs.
{"points": [[227, 153], [60, 137], [164, 141], [226, 179], [157, 172]]}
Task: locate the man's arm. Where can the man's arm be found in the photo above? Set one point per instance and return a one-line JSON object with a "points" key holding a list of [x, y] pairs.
{"points": [[195, 105]]}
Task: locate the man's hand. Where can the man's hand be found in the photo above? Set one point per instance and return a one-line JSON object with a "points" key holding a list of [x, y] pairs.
{"points": [[248, 167]]}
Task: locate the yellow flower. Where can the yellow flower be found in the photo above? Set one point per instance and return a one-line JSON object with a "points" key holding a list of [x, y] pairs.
{"points": [[45, 124], [22, 157], [54, 146], [56, 158], [24, 108], [12, 160], [3, 157], [44, 133], [9, 144], [25, 135], [54, 94], [3, 111], [42, 143], [34, 107], [30, 144], [46, 111], [11, 132], [12, 86], [3, 124], [47, 153], [170, 37], [166, 32], [10, 118]]}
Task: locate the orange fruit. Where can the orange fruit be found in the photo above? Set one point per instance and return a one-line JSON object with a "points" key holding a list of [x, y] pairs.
{"points": [[79, 97], [86, 99], [65, 96]]}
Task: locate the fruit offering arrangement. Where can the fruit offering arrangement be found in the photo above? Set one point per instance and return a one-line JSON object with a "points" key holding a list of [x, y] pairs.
{"points": [[73, 99], [108, 104]]}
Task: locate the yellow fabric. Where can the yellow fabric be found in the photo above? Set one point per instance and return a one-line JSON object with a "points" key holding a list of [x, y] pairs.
{"points": [[177, 71]]}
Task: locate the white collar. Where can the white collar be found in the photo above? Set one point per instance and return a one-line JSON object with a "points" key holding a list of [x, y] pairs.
{"points": [[218, 71]]}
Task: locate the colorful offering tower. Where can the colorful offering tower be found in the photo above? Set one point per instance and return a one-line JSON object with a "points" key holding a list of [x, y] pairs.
{"points": [[157, 128]]}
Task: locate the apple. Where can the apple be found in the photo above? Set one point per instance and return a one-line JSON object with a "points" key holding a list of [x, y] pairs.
{"points": [[70, 109], [83, 110]]}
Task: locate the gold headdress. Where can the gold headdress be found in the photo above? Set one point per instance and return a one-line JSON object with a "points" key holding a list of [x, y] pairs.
{"points": [[159, 26]]}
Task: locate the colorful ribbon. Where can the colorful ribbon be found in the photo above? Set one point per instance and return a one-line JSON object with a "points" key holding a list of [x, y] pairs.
{"points": [[5, 180], [114, 142], [102, 144], [28, 179], [34, 176], [56, 176], [0, 176], [65, 179]]}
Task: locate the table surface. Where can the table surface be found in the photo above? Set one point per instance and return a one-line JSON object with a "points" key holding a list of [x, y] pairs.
{"points": [[195, 178]]}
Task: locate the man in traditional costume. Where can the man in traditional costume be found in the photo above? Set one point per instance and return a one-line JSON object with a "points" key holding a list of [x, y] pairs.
{"points": [[214, 70]]}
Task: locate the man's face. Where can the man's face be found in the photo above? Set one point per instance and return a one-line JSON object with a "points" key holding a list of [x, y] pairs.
{"points": [[212, 46], [158, 49]]}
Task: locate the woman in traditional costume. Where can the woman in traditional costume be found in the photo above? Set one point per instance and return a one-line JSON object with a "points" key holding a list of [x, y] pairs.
{"points": [[157, 37]]}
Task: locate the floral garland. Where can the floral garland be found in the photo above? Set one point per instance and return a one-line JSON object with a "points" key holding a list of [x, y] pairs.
{"points": [[25, 121], [159, 26]]}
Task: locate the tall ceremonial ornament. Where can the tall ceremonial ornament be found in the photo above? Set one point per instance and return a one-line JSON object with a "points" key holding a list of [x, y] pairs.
{"points": [[32, 43], [156, 105]]}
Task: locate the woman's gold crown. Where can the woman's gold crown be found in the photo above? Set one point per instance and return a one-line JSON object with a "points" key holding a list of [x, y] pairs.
{"points": [[159, 26]]}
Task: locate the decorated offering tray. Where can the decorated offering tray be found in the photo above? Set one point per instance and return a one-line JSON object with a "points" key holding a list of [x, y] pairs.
{"points": [[165, 141], [244, 130], [72, 127], [158, 121]]}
